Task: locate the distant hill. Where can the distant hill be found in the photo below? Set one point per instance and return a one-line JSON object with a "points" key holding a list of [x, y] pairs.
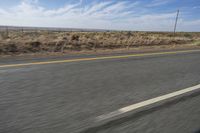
{"points": [[26, 28]]}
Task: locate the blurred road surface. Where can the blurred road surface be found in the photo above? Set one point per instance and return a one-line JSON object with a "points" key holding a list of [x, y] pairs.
{"points": [[67, 97]]}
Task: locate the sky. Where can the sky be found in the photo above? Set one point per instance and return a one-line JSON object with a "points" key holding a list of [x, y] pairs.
{"points": [[136, 15]]}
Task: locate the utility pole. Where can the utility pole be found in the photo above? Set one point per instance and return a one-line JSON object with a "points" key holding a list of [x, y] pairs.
{"points": [[176, 22]]}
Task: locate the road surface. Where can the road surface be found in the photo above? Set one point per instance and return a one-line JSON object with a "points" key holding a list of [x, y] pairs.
{"points": [[69, 96]]}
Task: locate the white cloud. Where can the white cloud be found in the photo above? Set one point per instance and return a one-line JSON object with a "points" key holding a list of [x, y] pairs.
{"points": [[196, 7], [158, 3], [30, 1], [96, 8], [102, 15]]}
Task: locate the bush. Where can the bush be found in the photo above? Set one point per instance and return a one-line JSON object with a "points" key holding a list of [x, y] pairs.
{"points": [[34, 46], [75, 38], [11, 48], [3, 35], [188, 35]]}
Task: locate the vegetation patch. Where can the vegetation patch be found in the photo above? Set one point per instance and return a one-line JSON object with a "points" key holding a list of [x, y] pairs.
{"points": [[15, 42]]}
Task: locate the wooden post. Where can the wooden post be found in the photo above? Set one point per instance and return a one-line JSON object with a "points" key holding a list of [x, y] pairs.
{"points": [[7, 32]]}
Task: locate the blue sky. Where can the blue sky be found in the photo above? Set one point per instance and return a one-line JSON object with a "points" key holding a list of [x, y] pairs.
{"points": [[145, 15]]}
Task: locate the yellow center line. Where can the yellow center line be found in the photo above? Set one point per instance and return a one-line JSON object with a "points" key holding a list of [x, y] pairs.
{"points": [[96, 58]]}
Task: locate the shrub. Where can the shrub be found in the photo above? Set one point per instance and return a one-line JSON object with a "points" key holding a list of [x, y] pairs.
{"points": [[11, 47], [188, 35], [75, 38]]}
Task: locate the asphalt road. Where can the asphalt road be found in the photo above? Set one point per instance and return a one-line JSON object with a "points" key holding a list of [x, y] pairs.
{"points": [[67, 97]]}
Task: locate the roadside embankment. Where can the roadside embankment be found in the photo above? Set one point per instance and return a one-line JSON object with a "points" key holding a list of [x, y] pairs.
{"points": [[15, 42]]}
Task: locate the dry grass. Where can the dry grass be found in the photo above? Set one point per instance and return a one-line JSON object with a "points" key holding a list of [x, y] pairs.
{"points": [[34, 42], [196, 43]]}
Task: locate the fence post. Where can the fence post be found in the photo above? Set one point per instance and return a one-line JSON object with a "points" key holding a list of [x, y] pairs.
{"points": [[7, 33]]}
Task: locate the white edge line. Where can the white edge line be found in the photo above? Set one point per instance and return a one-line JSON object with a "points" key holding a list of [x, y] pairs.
{"points": [[146, 103]]}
